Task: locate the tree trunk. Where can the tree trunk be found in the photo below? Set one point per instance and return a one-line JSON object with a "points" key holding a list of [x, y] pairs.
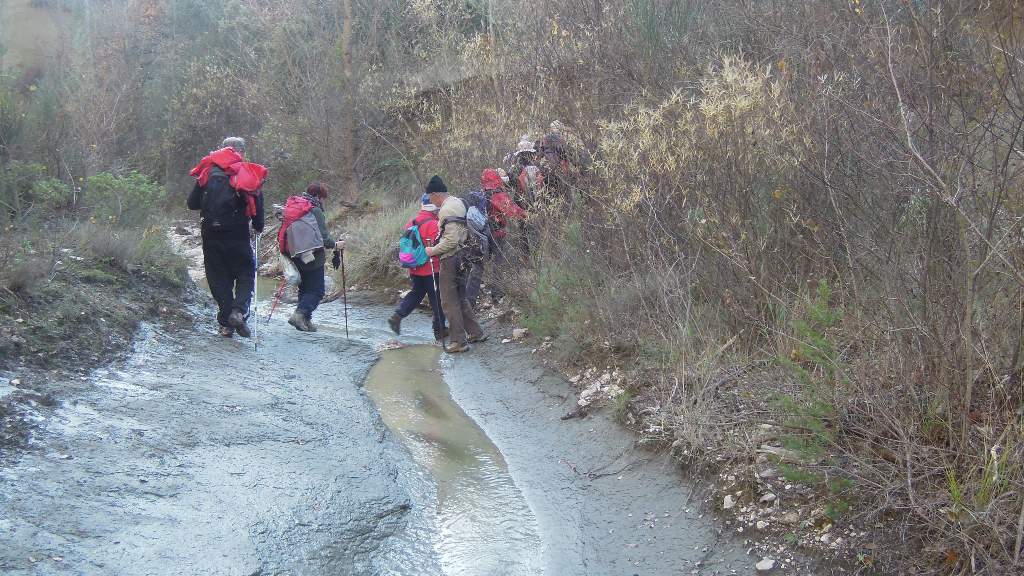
{"points": [[349, 149]]}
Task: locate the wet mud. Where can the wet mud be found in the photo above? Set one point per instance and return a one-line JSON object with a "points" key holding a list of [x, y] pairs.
{"points": [[199, 455]]}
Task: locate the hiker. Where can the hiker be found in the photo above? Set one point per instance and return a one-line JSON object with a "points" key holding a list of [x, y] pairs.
{"points": [[529, 178], [553, 159], [424, 277], [454, 234], [501, 213], [228, 197], [511, 159], [304, 238], [562, 160]]}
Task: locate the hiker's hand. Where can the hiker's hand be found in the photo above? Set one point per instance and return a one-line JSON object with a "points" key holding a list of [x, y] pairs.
{"points": [[336, 260], [339, 245]]}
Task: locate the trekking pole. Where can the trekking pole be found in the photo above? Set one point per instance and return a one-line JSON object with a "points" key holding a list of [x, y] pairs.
{"points": [[277, 299], [437, 298], [256, 294], [344, 291]]}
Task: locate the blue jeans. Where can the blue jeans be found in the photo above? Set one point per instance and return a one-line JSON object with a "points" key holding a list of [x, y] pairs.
{"points": [[422, 286], [311, 290]]}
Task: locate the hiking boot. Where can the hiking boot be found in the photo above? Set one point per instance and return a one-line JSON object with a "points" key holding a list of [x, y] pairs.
{"points": [[457, 348], [310, 327], [226, 331], [298, 320], [480, 338], [395, 322], [238, 323]]}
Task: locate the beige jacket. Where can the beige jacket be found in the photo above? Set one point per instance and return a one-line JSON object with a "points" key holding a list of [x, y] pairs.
{"points": [[454, 235]]}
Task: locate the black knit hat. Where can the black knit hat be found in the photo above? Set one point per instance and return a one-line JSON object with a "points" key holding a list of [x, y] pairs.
{"points": [[436, 186]]}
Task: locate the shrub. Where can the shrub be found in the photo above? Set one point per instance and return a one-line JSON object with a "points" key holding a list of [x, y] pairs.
{"points": [[16, 182], [53, 194], [124, 201]]}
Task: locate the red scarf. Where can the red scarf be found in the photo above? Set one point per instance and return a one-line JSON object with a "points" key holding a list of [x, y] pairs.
{"points": [[245, 177]]}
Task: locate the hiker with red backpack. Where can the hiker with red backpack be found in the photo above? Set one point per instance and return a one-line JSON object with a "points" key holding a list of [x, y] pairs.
{"points": [[455, 238], [304, 239], [228, 195], [501, 212], [421, 232]]}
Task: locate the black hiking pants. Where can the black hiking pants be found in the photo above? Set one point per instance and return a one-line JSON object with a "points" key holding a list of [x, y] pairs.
{"points": [[230, 269]]}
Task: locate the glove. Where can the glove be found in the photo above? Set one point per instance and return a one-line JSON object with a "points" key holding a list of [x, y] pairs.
{"points": [[336, 260]]}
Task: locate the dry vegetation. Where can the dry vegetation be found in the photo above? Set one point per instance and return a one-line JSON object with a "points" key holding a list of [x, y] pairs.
{"points": [[824, 193]]}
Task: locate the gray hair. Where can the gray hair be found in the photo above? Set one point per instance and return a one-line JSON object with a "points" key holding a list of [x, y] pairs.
{"points": [[235, 142]]}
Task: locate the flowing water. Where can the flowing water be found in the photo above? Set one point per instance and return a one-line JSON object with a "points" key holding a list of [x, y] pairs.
{"points": [[483, 523]]}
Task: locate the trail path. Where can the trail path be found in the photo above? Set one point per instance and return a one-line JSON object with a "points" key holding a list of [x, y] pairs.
{"points": [[198, 455]]}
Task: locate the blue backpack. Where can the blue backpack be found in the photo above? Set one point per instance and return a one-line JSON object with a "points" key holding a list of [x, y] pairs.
{"points": [[412, 252]]}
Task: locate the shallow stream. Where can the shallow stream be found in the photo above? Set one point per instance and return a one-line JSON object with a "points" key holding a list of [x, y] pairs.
{"points": [[483, 523]]}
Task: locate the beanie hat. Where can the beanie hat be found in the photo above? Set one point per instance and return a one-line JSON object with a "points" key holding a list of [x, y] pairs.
{"points": [[317, 189], [426, 205], [234, 142], [436, 186]]}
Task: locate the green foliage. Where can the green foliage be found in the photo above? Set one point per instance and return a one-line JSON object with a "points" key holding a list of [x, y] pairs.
{"points": [[814, 358], [11, 117], [97, 276], [836, 509], [798, 475], [17, 179], [53, 194], [555, 304], [125, 201], [620, 404]]}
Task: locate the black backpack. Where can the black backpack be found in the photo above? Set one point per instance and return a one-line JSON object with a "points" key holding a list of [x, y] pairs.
{"points": [[222, 208]]}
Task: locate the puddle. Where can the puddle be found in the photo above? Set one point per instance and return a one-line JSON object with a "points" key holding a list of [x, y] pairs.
{"points": [[483, 523], [265, 287]]}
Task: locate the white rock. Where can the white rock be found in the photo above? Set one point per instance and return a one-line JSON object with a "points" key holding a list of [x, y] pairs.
{"points": [[588, 395], [765, 565], [729, 502], [768, 498], [16, 382], [761, 524], [520, 333], [506, 341]]}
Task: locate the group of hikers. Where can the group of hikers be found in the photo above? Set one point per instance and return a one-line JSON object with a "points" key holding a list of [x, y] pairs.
{"points": [[446, 246]]}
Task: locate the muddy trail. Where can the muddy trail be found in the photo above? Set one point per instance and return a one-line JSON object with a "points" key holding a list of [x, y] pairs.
{"points": [[319, 454]]}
